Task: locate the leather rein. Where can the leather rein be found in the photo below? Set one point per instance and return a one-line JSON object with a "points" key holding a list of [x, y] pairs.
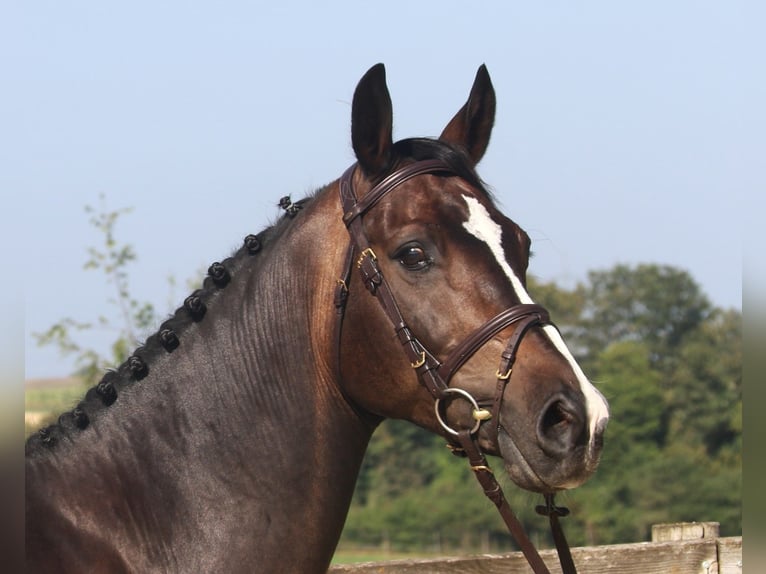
{"points": [[435, 376]]}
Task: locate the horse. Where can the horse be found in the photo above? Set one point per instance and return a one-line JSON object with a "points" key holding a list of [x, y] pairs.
{"points": [[231, 440]]}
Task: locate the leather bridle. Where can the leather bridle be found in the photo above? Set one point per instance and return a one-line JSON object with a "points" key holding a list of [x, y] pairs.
{"points": [[435, 375]]}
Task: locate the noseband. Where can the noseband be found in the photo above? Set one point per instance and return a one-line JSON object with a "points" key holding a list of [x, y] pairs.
{"points": [[434, 375]]}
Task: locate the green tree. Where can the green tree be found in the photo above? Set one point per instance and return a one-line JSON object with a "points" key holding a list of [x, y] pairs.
{"points": [[112, 259], [656, 304], [705, 389]]}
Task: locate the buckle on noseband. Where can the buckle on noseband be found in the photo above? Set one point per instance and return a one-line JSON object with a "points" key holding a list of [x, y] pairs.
{"points": [[504, 376]]}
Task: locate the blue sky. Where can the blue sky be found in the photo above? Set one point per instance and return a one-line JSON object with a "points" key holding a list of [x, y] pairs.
{"points": [[625, 133]]}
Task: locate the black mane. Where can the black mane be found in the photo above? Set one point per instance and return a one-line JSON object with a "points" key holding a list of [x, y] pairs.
{"points": [[167, 338]]}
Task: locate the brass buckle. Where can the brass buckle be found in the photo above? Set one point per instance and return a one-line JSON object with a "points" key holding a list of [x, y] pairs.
{"points": [[420, 362], [504, 376], [366, 253]]}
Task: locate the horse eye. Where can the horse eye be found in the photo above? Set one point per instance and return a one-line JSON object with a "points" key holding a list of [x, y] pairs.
{"points": [[413, 257]]}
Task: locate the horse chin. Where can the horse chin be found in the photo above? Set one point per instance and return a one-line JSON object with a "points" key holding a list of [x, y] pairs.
{"points": [[517, 467], [523, 474]]}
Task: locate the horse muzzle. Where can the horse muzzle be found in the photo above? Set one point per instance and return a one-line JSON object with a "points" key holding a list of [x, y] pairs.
{"points": [[563, 451]]}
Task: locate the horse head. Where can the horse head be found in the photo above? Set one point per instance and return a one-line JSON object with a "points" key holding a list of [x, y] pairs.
{"points": [[453, 269]]}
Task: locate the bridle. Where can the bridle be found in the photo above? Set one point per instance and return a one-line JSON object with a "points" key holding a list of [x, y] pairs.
{"points": [[434, 375]]}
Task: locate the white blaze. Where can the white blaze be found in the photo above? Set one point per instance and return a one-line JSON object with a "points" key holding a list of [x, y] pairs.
{"points": [[481, 225]]}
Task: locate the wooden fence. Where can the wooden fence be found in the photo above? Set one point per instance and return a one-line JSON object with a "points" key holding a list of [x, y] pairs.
{"points": [[684, 548]]}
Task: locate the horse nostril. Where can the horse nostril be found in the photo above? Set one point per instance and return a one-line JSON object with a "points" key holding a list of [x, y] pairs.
{"points": [[597, 440], [561, 426]]}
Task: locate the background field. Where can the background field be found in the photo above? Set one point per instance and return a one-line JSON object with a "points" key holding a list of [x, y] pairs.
{"points": [[45, 399]]}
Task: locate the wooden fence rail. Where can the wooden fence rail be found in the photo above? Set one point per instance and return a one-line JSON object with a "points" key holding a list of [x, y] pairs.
{"points": [[686, 548]]}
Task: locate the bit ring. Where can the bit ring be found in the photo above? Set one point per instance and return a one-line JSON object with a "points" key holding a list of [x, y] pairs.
{"points": [[464, 394]]}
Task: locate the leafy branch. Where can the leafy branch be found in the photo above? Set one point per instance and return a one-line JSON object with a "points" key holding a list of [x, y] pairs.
{"points": [[111, 258]]}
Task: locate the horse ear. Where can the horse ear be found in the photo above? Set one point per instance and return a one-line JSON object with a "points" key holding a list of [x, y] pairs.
{"points": [[472, 125], [372, 122]]}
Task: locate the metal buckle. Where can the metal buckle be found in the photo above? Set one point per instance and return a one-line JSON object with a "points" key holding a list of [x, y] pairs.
{"points": [[366, 253], [506, 376], [420, 362]]}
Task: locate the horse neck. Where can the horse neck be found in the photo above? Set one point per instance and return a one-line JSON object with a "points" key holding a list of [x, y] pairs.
{"points": [[244, 421]]}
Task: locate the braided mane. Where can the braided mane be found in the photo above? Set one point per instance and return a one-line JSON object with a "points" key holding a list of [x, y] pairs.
{"points": [[167, 339]]}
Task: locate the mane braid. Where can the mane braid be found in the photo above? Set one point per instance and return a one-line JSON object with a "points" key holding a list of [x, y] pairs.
{"points": [[168, 337]]}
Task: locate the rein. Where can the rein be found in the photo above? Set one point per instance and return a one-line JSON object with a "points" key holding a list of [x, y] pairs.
{"points": [[435, 376]]}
